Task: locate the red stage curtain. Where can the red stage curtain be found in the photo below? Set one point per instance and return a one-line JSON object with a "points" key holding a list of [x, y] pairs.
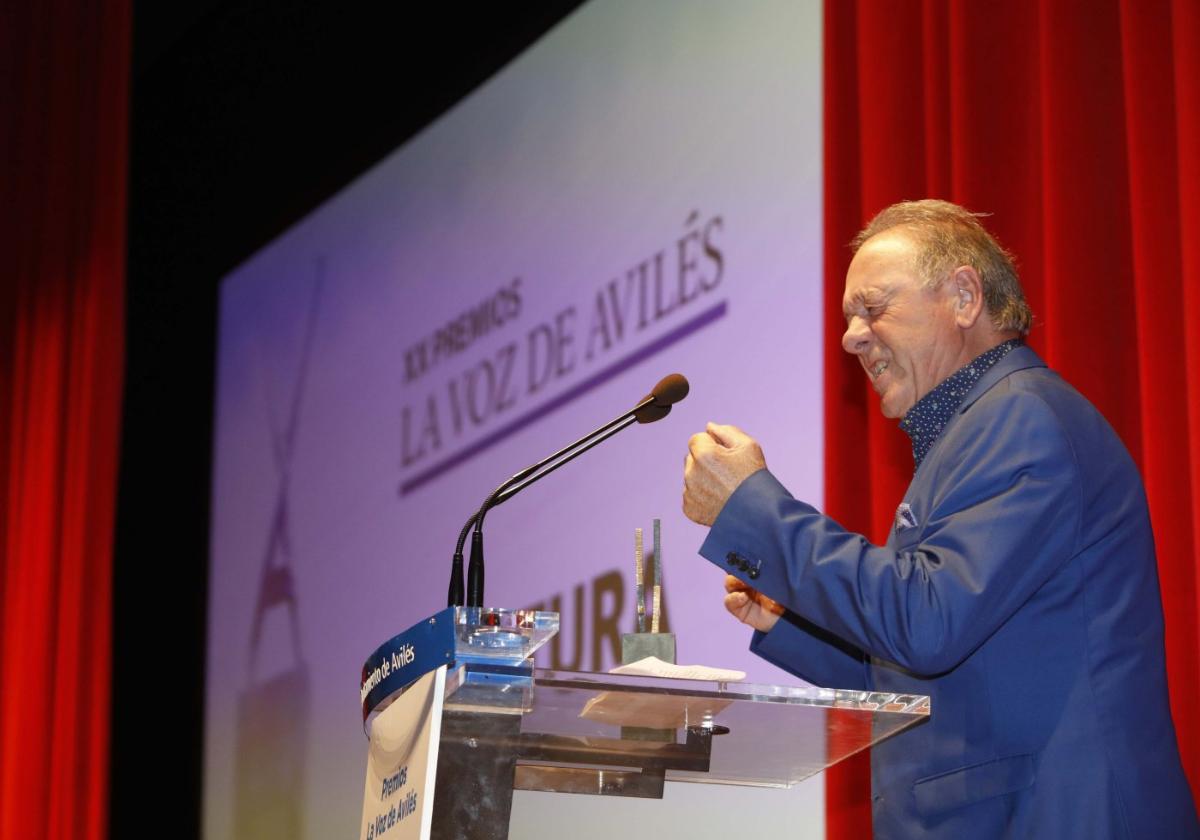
{"points": [[1076, 123], [64, 85]]}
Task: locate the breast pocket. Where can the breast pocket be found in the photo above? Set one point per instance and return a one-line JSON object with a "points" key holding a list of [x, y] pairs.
{"points": [[906, 527]]}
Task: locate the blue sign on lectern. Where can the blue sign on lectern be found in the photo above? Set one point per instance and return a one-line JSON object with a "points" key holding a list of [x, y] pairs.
{"points": [[402, 690]]}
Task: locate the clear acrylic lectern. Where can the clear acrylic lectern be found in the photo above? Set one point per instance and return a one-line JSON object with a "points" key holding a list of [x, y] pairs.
{"points": [[509, 726]]}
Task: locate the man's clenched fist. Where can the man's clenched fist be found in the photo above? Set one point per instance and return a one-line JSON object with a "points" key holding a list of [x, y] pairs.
{"points": [[718, 460]]}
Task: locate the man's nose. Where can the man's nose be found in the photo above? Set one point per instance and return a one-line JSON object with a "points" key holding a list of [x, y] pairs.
{"points": [[857, 335]]}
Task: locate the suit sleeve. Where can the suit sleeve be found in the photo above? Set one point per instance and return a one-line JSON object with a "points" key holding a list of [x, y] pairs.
{"points": [[812, 654], [1004, 517]]}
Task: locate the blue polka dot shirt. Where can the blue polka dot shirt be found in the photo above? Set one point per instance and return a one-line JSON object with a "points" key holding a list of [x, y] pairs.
{"points": [[924, 421]]}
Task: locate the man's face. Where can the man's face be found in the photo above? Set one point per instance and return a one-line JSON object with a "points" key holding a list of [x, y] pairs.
{"points": [[903, 333]]}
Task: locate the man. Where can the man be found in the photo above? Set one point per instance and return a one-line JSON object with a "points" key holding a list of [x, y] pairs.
{"points": [[1018, 586]]}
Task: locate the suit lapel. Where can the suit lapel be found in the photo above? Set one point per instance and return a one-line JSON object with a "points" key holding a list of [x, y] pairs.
{"points": [[1019, 358]]}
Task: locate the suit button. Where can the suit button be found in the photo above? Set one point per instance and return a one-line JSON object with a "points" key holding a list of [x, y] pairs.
{"points": [[753, 573], [732, 559]]}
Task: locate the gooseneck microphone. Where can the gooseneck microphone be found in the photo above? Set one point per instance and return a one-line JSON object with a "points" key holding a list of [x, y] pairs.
{"points": [[653, 407]]}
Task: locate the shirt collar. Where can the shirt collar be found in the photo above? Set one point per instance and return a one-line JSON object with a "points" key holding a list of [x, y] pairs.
{"points": [[925, 421]]}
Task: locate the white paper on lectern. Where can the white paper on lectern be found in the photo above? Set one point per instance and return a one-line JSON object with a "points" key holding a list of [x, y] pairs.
{"points": [[652, 666]]}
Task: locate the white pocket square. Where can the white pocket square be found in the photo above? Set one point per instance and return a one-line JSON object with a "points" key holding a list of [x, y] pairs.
{"points": [[905, 518]]}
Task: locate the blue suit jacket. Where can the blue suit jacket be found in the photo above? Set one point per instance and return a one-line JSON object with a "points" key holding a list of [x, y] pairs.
{"points": [[1024, 600]]}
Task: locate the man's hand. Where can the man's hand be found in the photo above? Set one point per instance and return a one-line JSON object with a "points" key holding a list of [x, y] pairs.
{"points": [[719, 459], [750, 606]]}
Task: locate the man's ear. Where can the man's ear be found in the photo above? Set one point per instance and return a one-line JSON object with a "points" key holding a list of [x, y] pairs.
{"points": [[968, 293]]}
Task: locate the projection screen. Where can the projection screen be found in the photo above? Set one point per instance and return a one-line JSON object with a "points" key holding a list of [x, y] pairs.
{"points": [[636, 194]]}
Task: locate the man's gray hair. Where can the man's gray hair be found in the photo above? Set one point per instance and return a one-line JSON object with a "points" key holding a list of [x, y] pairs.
{"points": [[948, 236]]}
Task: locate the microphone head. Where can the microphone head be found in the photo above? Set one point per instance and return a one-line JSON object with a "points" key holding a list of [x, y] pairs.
{"points": [[670, 389], [651, 413]]}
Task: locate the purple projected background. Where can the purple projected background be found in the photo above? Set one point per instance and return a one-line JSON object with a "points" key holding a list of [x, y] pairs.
{"points": [[637, 194]]}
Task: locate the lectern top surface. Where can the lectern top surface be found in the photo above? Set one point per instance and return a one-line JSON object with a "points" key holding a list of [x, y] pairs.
{"points": [[770, 735]]}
